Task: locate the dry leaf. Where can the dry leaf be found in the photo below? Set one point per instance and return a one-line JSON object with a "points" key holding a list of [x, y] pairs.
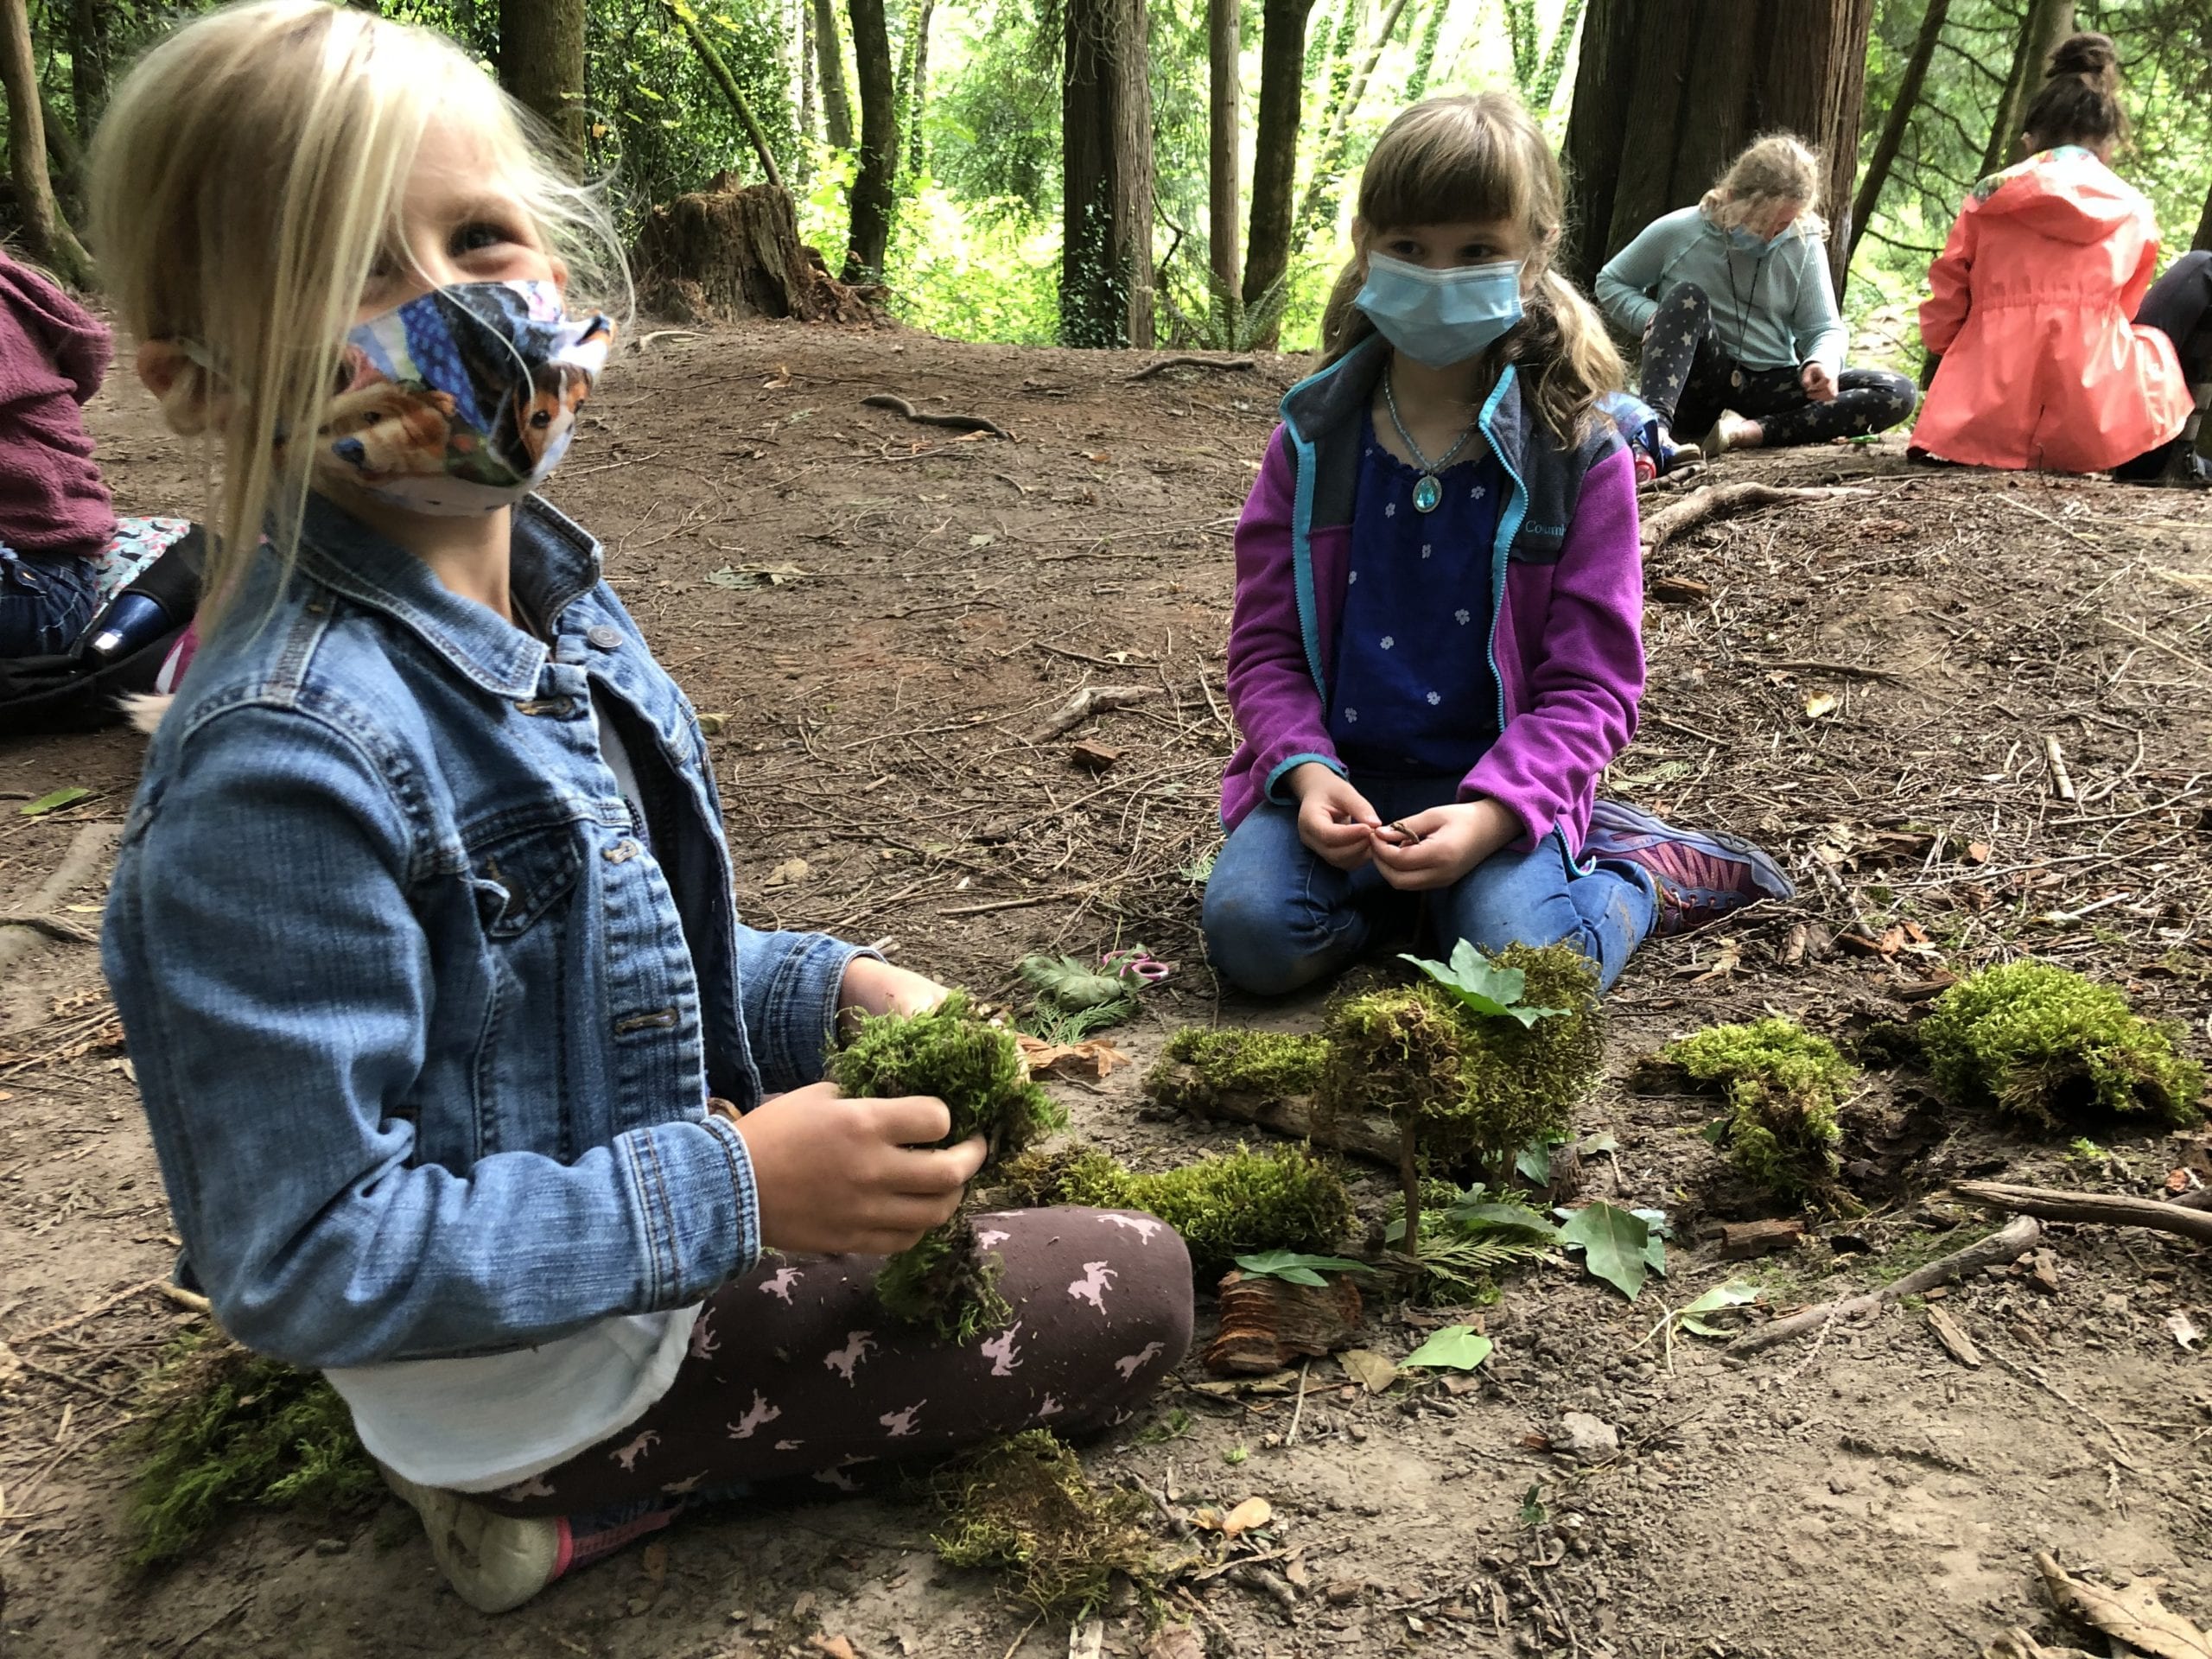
{"points": [[1093, 1059], [1821, 702], [1252, 1512], [1369, 1369], [831, 1647], [1099, 456], [789, 873], [1978, 852], [2184, 1330], [2131, 1612]]}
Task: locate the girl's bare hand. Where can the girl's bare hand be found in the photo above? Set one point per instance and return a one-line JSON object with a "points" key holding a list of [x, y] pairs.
{"points": [[835, 1176], [1434, 849], [1334, 820]]}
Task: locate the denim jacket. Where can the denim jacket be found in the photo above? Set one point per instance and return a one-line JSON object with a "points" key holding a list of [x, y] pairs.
{"points": [[425, 1033]]}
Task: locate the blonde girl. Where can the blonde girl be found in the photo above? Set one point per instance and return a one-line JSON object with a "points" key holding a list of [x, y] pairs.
{"points": [[1742, 341], [468, 1087], [1437, 646]]}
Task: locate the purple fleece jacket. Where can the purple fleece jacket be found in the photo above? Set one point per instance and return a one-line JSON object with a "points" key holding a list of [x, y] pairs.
{"points": [[1566, 642], [53, 355]]}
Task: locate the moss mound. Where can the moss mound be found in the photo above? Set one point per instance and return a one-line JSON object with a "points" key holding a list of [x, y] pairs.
{"points": [[1476, 1085], [2053, 1049], [225, 1431], [1783, 1086], [1201, 1061], [1022, 1506], [944, 1282], [1225, 1205]]}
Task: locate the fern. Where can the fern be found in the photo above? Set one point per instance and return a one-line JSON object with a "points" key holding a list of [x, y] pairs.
{"points": [[1458, 1267]]}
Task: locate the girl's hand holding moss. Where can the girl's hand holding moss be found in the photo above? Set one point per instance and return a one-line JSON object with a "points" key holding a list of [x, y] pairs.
{"points": [[835, 1176], [1446, 842], [1334, 820]]}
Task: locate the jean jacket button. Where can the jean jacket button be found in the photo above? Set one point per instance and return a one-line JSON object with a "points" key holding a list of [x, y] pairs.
{"points": [[604, 635]]}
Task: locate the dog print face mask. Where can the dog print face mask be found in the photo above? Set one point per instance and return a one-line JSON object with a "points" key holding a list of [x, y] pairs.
{"points": [[463, 400]]}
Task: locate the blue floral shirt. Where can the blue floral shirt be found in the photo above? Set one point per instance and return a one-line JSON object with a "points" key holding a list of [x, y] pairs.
{"points": [[1414, 692]]}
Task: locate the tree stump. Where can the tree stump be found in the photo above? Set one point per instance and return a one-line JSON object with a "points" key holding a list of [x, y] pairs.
{"points": [[732, 252]]}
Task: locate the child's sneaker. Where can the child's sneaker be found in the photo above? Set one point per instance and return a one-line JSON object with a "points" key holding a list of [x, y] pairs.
{"points": [[496, 1562], [1700, 878]]}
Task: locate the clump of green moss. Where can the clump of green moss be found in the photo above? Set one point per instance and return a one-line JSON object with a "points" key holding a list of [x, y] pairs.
{"points": [[1023, 1507], [1783, 1086], [1201, 1063], [1478, 1086], [224, 1430], [2050, 1047], [1225, 1205], [944, 1282]]}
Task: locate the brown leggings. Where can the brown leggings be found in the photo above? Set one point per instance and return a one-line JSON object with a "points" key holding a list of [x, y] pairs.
{"points": [[794, 1370]]}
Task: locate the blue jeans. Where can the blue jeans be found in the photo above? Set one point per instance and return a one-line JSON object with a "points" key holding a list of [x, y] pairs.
{"points": [[44, 603], [1277, 917]]}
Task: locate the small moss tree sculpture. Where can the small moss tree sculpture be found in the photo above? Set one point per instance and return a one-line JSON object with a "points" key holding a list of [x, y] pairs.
{"points": [[1783, 1086]]}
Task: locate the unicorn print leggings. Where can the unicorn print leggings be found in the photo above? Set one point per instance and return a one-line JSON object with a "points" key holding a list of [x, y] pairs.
{"points": [[795, 1370]]}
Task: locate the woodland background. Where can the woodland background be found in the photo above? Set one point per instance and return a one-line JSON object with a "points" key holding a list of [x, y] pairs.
{"points": [[1112, 172]]}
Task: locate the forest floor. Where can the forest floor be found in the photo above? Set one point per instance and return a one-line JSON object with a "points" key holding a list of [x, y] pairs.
{"points": [[883, 612]]}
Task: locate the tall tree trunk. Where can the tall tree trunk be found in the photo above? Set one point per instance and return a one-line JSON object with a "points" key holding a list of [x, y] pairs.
{"points": [[806, 96], [719, 71], [1425, 54], [542, 64], [913, 83], [1666, 96], [830, 60], [1225, 115], [2203, 237], [1329, 158], [46, 232], [2047, 23], [1106, 164], [876, 185], [88, 59], [1274, 158], [1885, 148]]}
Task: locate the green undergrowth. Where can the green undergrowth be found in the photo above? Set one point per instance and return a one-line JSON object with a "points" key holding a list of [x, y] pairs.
{"points": [[1023, 1507], [1783, 1086], [1225, 1205], [2054, 1050], [224, 1430]]}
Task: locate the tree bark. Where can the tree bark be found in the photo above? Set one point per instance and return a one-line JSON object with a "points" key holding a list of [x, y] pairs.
{"points": [[1885, 148], [2047, 23], [829, 63], [1425, 54], [46, 232], [542, 64], [1106, 164], [1225, 113], [913, 83], [2203, 237], [1329, 158], [876, 185], [88, 59], [806, 93], [1274, 159], [1665, 97]]}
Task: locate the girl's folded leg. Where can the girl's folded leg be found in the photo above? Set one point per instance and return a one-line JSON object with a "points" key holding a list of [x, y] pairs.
{"points": [[1539, 897], [1866, 401], [1277, 917]]}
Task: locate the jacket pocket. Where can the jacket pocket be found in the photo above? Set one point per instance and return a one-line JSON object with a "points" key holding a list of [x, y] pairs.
{"points": [[518, 880]]}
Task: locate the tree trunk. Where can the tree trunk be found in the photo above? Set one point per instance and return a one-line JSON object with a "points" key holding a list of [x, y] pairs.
{"points": [[1425, 54], [2048, 23], [1885, 148], [1329, 158], [829, 61], [46, 232], [876, 185], [739, 104], [542, 64], [2203, 237], [806, 96], [1274, 159], [1106, 163], [913, 84], [88, 59], [1224, 114], [1665, 97]]}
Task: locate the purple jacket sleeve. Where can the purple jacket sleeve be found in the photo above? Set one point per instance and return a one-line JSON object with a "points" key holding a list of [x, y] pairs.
{"points": [[1586, 671], [1270, 683]]}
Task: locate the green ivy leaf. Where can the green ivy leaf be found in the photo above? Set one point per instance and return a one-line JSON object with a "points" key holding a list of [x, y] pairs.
{"points": [[1534, 1163], [52, 803], [1615, 1243], [1295, 1267], [1735, 1294], [1500, 1216], [1456, 1347], [1482, 985]]}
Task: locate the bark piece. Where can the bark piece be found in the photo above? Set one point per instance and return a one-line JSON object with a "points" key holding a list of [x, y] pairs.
{"points": [[2110, 1207], [1959, 1345], [1092, 755], [1741, 1241], [2008, 1244], [1267, 1323], [1679, 590]]}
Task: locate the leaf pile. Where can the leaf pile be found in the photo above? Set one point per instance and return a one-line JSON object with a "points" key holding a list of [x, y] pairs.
{"points": [[1023, 1507]]}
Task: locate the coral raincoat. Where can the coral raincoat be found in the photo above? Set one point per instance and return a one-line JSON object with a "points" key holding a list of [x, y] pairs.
{"points": [[2032, 304]]}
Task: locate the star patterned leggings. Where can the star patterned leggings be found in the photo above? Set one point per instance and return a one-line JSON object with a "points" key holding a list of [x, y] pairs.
{"points": [[795, 1370], [1689, 379]]}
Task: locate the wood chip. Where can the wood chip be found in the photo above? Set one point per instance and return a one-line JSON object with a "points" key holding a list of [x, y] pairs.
{"points": [[1959, 1345], [1741, 1241], [1093, 756], [1679, 590]]}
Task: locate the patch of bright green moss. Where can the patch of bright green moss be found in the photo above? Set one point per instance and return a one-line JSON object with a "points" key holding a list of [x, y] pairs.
{"points": [[1023, 1507], [2051, 1048], [1783, 1085], [1205, 1061]]}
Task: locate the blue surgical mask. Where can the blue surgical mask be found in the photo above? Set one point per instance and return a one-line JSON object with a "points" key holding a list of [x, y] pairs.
{"points": [[1743, 239], [1441, 317]]}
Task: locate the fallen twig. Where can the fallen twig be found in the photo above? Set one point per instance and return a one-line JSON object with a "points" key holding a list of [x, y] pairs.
{"points": [[1372, 1137], [899, 405], [2062, 781], [1090, 700], [2030, 1374], [1724, 501], [2113, 1208], [2007, 1243], [94, 1311], [1187, 361]]}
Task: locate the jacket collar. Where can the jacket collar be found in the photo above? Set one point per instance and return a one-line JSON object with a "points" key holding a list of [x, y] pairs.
{"points": [[1333, 401], [554, 562]]}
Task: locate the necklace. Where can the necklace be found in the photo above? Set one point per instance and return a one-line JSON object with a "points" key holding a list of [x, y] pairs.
{"points": [[1743, 312], [1427, 490]]}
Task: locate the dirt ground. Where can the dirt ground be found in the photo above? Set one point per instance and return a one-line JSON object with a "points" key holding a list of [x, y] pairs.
{"points": [[883, 612]]}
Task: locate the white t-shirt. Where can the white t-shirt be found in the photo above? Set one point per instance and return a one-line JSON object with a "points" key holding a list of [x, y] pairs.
{"points": [[479, 1424]]}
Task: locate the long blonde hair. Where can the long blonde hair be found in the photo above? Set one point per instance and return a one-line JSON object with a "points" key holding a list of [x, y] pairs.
{"points": [[1775, 168], [1477, 157], [249, 173]]}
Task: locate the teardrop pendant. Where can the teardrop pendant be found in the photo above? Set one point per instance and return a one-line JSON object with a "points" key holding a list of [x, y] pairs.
{"points": [[1427, 493]]}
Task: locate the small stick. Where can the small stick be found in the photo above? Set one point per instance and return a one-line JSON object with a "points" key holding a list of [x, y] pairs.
{"points": [[2030, 1374], [1090, 700], [1291, 1438], [1410, 1181], [93, 1311], [1187, 361], [2062, 781], [2111, 1207], [2008, 1244]]}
